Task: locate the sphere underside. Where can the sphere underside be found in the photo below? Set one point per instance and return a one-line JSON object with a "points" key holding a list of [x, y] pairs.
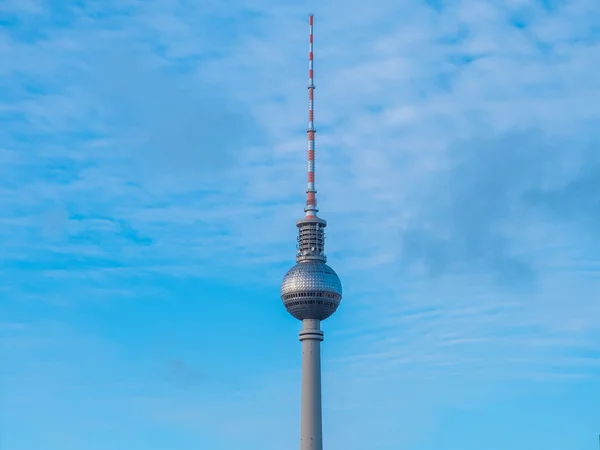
{"points": [[311, 290]]}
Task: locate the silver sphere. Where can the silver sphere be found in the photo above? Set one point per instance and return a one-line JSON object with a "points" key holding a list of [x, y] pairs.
{"points": [[311, 290]]}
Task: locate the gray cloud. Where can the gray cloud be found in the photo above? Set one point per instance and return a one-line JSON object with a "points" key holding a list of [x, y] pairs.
{"points": [[182, 374], [470, 217], [576, 201], [170, 123]]}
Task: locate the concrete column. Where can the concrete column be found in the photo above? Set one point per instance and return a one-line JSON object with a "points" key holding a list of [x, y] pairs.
{"points": [[311, 426]]}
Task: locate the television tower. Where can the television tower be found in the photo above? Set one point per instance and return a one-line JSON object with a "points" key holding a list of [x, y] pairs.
{"points": [[311, 290]]}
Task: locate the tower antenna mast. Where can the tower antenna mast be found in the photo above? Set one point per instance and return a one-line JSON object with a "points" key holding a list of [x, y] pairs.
{"points": [[311, 193]]}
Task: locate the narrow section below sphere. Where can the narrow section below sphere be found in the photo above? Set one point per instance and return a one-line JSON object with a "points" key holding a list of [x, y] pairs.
{"points": [[311, 290]]}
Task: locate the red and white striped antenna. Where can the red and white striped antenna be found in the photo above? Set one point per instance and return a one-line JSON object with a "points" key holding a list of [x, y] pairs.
{"points": [[311, 193]]}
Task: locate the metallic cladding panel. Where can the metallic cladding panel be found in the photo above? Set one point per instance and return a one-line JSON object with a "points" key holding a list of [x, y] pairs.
{"points": [[311, 290]]}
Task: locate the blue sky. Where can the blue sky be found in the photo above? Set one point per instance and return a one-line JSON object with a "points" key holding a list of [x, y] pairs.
{"points": [[152, 167]]}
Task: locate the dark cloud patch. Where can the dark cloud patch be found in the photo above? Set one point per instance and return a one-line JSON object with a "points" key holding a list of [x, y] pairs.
{"points": [[578, 201], [179, 373], [104, 230], [468, 217], [168, 119]]}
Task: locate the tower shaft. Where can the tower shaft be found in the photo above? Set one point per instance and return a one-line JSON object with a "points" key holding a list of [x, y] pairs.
{"points": [[311, 291], [311, 425]]}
